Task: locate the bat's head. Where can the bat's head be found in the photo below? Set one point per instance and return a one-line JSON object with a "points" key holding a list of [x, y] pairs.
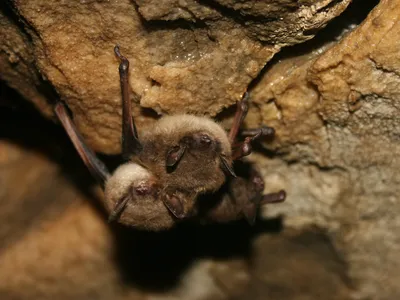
{"points": [[195, 152], [131, 196]]}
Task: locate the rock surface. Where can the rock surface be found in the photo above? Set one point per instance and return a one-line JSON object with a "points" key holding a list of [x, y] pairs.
{"points": [[333, 100], [200, 62], [53, 239], [339, 128]]}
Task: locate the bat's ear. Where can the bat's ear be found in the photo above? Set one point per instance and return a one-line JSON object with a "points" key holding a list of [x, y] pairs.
{"points": [[174, 155], [225, 164], [175, 206], [250, 213]]}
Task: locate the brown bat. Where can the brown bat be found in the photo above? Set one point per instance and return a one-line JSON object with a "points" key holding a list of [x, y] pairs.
{"points": [[174, 165]]}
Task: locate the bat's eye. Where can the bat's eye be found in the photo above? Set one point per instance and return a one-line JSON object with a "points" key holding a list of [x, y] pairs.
{"points": [[205, 139], [143, 188], [202, 141]]}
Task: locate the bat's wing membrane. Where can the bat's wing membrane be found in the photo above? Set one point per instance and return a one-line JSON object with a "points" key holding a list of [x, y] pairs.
{"points": [[94, 164]]}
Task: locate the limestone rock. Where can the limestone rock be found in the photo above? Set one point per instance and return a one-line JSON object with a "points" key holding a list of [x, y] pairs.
{"points": [[338, 129], [54, 243], [334, 102], [200, 65]]}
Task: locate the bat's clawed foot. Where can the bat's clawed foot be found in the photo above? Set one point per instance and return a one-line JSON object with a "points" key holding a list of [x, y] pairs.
{"points": [[118, 53], [273, 198], [256, 133], [243, 106], [242, 149], [267, 131], [245, 148], [124, 65], [250, 210]]}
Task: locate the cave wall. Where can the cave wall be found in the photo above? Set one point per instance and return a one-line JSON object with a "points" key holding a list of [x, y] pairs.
{"points": [[331, 93]]}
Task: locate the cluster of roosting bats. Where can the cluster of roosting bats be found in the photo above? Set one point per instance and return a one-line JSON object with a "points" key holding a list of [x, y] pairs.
{"points": [[181, 168]]}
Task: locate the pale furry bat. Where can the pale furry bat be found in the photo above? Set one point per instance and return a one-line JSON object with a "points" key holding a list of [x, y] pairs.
{"points": [[173, 166]]}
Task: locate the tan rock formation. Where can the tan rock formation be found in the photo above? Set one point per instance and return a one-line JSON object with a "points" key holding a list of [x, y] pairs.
{"points": [[333, 101]]}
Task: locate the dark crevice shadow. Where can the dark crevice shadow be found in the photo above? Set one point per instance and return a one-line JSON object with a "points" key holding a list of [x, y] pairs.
{"points": [[23, 125], [225, 11], [9, 11], [27, 31], [241, 17], [354, 15], [155, 261]]}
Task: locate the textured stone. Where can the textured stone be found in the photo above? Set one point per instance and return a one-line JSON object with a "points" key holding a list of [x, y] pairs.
{"points": [[274, 22], [334, 103], [54, 243], [336, 113], [199, 66]]}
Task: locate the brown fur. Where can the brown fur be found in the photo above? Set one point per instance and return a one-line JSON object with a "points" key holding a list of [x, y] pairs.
{"points": [[159, 195], [177, 160], [198, 171], [144, 213], [238, 194]]}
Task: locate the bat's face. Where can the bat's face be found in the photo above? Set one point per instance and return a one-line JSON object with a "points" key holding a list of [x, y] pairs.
{"points": [[198, 160], [187, 152], [200, 149]]}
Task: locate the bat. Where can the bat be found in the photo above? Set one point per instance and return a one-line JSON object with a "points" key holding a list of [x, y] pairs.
{"points": [[239, 197], [171, 168]]}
